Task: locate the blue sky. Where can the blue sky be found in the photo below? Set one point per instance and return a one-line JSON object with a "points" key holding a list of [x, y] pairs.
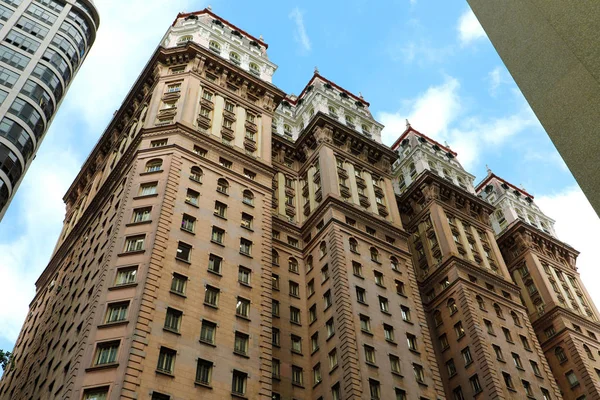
{"points": [[427, 61]]}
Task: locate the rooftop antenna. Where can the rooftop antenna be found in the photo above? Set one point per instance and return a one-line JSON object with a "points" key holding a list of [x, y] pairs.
{"points": [[209, 7], [407, 124], [489, 171], [316, 69]]}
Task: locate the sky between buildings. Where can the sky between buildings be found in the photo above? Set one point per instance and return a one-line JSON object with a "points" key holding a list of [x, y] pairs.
{"points": [[428, 61]]}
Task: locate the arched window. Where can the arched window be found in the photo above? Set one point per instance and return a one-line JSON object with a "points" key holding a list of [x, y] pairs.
{"points": [[185, 39], [214, 46], [412, 170], [394, 263], [322, 249], [437, 318], [235, 58], [254, 68], [287, 129], [560, 354], [333, 111], [498, 310], [293, 265], [480, 302], [349, 120], [365, 129], [374, 254], [588, 352], [154, 165], [196, 174], [452, 307], [223, 186], [248, 197], [275, 257], [309, 263], [515, 318], [353, 245]]}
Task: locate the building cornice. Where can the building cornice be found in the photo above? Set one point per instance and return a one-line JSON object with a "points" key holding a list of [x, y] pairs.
{"points": [[410, 129], [491, 176]]}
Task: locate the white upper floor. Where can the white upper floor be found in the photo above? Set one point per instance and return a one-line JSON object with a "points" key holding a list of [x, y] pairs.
{"points": [[223, 38]]}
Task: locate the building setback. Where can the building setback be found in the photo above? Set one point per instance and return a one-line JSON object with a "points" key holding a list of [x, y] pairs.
{"points": [[42, 45], [226, 240]]}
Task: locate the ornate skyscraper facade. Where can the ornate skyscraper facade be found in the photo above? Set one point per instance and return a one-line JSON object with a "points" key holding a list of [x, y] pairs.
{"points": [[225, 239], [42, 45]]}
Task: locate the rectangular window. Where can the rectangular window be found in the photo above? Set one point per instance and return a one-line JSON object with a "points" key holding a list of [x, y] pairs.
{"points": [[275, 281], [249, 174], [148, 189], [444, 341], [188, 223], [369, 354], [141, 214], [275, 308], [361, 295], [215, 263], [184, 252], [508, 380], [296, 344], [174, 88], [324, 273], [294, 289], [419, 373], [327, 299], [383, 304], [240, 345], [192, 197], [314, 342], [378, 278], [498, 352], [527, 387], [357, 269], [507, 335], [225, 163], [400, 394], [126, 276], [388, 332], [246, 247], [211, 296], [106, 353], [297, 376], [275, 368], [333, 361], [173, 319], [395, 364], [217, 235], [517, 360], [208, 332], [317, 378], [365, 323], [572, 378], [400, 288], [116, 312], [275, 337], [242, 307], [330, 328], [312, 314], [459, 330], [22, 42], [244, 275], [466, 354], [310, 288], [200, 151], [134, 243], [95, 394], [475, 385], [247, 221], [295, 315], [451, 367], [536, 369], [374, 389], [412, 342], [204, 371], [405, 313], [238, 384], [206, 95], [158, 143], [220, 209]]}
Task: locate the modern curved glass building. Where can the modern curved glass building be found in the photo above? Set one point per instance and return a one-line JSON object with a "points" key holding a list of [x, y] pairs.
{"points": [[42, 45]]}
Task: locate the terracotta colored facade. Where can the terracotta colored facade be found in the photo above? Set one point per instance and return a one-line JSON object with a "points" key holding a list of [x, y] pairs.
{"points": [[224, 239]]}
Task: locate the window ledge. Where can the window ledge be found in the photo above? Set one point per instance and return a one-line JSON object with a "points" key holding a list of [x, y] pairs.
{"points": [[131, 253], [297, 352], [242, 317], [246, 254], [246, 285], [329, 337], [217, 243], [370, 364], [207, 343], [391, 342], [362, 302], [386, 312], [166, 373], [123, 286], [183, 261], [172, 331], [299, 385], [244, 355], [294, 296], [201, 384], [314, 351], [366, 332], [379, 285], [512, 389], [102, 366], [178, 294], [151, 172], [295, 323], [215, 273], [246, 228], [359, 276], [220, 216], [398, 374], [145, 196], [324, 280], [188, 231], [333, 369], [238, 396], [191, 204], [148, 221], [109, 324], [414, 351]]}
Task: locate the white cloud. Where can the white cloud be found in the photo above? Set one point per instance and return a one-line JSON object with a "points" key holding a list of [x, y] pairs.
{"points": [[578, 225], [300, 34], [421, 52], [469, 28], [129, 33], [440, 113], [496, 78]]}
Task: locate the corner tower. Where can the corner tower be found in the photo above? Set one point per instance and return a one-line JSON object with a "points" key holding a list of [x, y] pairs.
{"points": [[558, 304], [483, 340]]}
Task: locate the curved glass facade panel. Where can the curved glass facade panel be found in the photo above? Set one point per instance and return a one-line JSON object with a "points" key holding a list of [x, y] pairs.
{"points": [[29, 115], [66, 47], [39, 95], [47, 76], [42, 46], [58, 62], [9, 163], [17, 136]]}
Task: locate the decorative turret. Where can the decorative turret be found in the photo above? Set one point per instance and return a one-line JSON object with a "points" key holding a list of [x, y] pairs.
{"points": [[223, 38], [322, 95], [418, 153], [512, 203]]}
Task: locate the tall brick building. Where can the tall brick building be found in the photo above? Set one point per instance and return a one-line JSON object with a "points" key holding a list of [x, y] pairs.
{"points": [[225, 239]]}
